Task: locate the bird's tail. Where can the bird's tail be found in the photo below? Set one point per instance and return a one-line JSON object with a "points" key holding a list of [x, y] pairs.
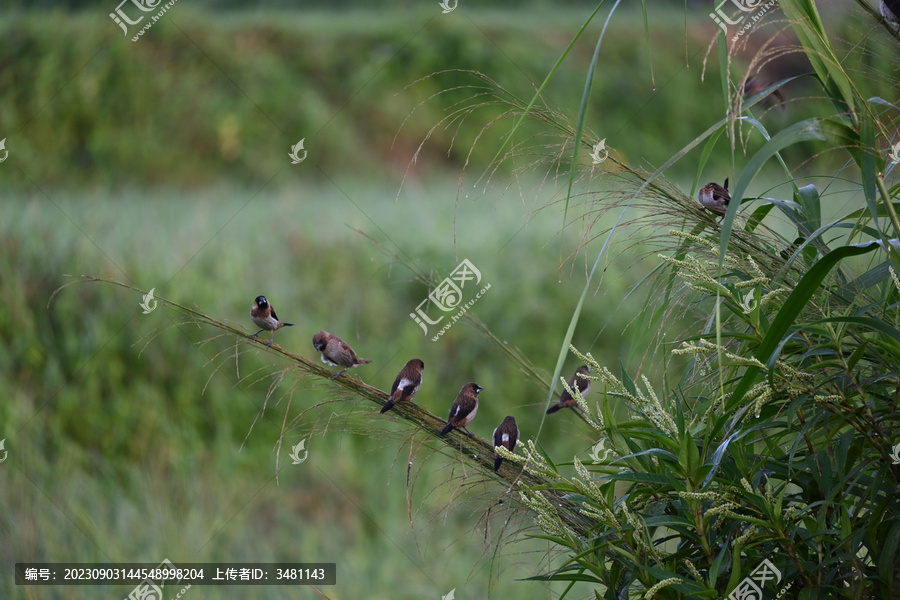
{"points": [[287, 324], [447, 429], [497, 462], [387, 406], [362, 361], [553, 409]]}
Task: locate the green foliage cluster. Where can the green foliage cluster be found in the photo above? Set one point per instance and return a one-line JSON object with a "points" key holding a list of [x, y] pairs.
{"points": [[780, 441]]}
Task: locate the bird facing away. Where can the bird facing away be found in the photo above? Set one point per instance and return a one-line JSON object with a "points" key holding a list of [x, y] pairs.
{"points": [[406, 385], [336, 352], [584, 386], [263, 315], [464, 408], [715, 198], [506, 435]]}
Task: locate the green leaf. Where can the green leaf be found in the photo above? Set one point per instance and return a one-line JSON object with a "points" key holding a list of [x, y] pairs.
{"points": [[841, 135], [810, 206], [870, 322], [757, 217], [717, 564], [857, 354], [627, 381], [719, 454], [735, 571], [810, 30], [689, 455]]}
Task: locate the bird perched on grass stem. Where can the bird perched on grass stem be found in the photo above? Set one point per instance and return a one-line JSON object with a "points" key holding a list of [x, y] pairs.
{"points": [[506, 435], [890, 11], [583, 385], [715, 198], [263, 315], [755, 85], [405, 385], [464, 408], [336, 352]]}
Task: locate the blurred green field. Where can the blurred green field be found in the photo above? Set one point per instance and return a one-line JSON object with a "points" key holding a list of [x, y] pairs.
{"points": [[85, 106]]}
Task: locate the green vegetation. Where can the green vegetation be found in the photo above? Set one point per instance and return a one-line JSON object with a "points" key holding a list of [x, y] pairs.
{"points": [[778, 441]]}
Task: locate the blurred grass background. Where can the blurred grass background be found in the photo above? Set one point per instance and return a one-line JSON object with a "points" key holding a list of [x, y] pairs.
{"points": [[230, 90], [163, 163]]}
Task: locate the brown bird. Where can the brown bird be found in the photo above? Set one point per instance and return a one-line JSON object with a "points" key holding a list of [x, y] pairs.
{"points": [[755, 85], [715, 198], [890, 11], [406, 385], [336, 352], [584, 386], [464, 408], [263, 315], [506, 435]]}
